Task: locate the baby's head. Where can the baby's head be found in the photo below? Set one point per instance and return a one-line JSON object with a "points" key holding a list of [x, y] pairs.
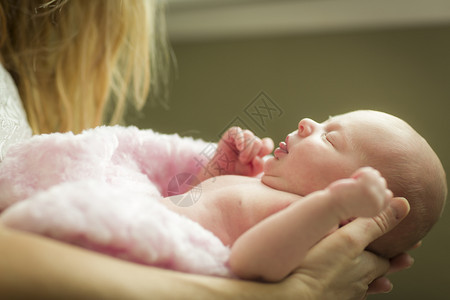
{"points": [[411, 169], [317, 154]]}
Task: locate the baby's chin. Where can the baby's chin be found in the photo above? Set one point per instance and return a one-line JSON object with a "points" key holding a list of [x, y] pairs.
{"points": [[265, 179], [272, 181], [280, 184]]}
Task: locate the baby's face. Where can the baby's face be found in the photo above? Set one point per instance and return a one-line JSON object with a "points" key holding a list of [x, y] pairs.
{"points": [[316, 154]]}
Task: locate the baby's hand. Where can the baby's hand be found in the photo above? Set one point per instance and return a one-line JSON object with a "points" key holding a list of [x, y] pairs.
{"points": [[240, 152], [365, 194]]}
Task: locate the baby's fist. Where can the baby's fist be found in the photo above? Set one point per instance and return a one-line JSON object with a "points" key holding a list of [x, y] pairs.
{"points": [[365, 194], [240, 152]]}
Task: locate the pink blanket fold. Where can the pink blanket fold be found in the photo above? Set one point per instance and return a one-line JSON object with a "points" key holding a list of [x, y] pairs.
{"points": [[101, 189]]}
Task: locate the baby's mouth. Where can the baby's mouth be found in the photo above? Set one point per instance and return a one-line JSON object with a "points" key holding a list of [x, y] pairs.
{"points": [[282, 150], [284, 145]]}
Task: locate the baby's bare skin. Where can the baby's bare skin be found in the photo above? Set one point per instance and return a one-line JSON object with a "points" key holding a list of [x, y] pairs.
{"points": [[229, 205], [260, 223]]}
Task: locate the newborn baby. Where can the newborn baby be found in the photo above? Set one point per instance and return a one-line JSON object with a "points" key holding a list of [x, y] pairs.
{"points": [[104, 190], [316, 181]]}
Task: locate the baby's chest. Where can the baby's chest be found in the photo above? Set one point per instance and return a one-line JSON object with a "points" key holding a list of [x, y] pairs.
{"points": [[246, 200]]}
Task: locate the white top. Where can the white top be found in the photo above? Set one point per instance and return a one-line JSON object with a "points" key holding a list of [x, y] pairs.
{"points": [[13, 121]]}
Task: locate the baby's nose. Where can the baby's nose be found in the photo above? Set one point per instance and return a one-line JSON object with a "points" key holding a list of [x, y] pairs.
{"points": [[306, 126]]}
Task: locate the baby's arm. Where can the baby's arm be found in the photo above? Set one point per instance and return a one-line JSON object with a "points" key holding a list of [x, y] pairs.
{"points": [[276, 246]]}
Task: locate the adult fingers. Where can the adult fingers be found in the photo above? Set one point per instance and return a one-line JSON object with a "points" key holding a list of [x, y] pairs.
{"points": [[383, 284], [376, 267], [380, 285], [400, 262], [362, 231]]}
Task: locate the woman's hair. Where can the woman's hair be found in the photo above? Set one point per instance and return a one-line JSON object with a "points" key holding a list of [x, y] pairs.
{"points": [[77, 62]]}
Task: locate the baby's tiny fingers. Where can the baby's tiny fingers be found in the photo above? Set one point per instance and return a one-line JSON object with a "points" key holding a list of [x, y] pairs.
{"points": [[236, 137], [248, 137], [252, 149], [389, 194], [366, 173], [257, 164], [232, 136], [267, 147]]}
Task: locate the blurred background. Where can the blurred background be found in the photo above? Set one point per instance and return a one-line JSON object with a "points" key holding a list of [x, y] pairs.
{"points": [[265, 65]]}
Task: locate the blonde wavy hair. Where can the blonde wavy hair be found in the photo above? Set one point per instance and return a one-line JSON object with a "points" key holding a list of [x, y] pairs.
{"points": [[77, 62]]}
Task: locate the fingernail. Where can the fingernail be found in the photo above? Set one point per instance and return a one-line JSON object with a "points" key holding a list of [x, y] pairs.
{"points": [[391, 286], [410, 261], [401, 210]]}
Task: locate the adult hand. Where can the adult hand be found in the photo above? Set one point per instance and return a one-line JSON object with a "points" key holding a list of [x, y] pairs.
{"points": [[335, 268], [338, 267]]}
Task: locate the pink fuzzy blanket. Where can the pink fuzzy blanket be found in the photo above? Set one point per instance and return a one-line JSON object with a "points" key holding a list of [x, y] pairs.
{"points": [[100, 190]]}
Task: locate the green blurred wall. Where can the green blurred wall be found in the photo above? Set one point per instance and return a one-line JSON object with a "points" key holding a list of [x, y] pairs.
{"points": [[403, 72]]}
